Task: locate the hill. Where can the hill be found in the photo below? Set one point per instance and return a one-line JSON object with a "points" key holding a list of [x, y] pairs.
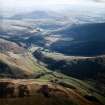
{"points": [[38, 14], [17, 62], [90, 69], [6, 46], [33, 92], [87, 40], [30, 64]]}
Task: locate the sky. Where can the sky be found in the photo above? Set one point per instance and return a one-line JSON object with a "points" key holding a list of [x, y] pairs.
{"points": [[27, 5], [11, 3]]}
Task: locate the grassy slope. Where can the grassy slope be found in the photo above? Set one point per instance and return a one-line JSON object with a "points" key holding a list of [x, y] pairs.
{"points": [[27, 64], [83, 87], [59, 94], [23, 63]]}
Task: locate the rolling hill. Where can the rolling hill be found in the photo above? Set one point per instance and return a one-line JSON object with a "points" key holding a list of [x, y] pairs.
{"points": [[32, 59], [19, 64]]}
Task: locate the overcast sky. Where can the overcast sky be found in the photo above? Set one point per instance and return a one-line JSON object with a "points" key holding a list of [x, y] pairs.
{"points": [[15, 5], [26, 3]]}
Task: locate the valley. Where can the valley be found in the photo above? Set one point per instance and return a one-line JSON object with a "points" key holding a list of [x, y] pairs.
{"points": [[48, 56]]}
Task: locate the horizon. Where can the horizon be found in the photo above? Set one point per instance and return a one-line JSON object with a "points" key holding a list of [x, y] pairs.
{"points": [[9, 8]]}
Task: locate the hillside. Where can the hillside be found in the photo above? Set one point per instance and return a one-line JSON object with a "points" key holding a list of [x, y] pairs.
{"points": [[17, 62], [20, 65], [72, 65], [6, 46], [87, 40], [76, 66], [32, 92]]}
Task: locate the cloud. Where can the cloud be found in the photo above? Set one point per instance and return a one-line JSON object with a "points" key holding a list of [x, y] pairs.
{"points": [[42, 2], [27, 5], [99, 1]]}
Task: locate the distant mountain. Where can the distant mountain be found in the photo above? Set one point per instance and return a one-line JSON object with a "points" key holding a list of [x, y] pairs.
{"points": [[88, 40], [84, 31], [37, 15]]}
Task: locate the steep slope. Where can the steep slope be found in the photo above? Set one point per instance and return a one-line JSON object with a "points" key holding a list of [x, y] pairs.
{"points": [[6, 46], [17, 62], [72, 65], [11, 71], [21, 64]]}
